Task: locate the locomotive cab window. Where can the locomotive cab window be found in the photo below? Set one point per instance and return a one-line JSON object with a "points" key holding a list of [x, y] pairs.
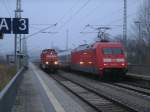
{"points": [[117, 51], [112, 51], [107, 51]]}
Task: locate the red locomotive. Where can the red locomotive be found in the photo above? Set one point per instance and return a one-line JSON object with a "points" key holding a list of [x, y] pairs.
{"points": [[102, 58], [49, 60]]}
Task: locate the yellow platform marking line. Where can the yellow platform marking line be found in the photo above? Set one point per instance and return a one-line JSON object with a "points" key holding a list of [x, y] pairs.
{"points": [[50, 95]]}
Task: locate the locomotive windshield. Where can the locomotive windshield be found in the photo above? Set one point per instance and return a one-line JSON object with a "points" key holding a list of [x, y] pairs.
{"points": [[117, 51], [112, 51], [107, 51]]}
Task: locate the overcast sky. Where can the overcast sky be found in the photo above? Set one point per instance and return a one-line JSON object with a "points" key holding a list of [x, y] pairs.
{"points": [[68, 14]]}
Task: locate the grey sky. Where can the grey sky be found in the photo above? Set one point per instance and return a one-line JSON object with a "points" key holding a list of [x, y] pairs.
{"points": [[66, 13]]}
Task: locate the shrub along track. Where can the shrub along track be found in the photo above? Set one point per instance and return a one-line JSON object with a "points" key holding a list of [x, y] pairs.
{"points": [[6, 73]]}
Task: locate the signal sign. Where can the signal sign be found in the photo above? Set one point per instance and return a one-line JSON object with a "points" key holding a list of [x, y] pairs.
{"points": [[5, 25], [20, 26], [15, 25]]}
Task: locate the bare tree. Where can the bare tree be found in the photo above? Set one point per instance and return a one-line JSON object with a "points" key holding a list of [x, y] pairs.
{"points": [[142, 33]]}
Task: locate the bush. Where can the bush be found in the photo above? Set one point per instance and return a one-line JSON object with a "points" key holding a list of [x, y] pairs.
{"points": [[6, 74]]}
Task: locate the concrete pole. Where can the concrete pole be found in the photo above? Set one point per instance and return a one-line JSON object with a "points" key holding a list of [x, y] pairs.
{"points": [[17, 42], [125, 24], [139, 36], [67, 42], [67, 39]]}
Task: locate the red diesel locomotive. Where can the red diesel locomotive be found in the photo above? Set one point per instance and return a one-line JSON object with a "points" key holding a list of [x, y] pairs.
{"points": [[49, 60], [101, 58]]}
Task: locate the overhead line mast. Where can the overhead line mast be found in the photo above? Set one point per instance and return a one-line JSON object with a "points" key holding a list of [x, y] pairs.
{"points": [[125, 24], [17, 37]]}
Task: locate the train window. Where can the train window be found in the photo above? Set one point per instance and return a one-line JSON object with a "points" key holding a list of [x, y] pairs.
{"points": [[117, 51], [107, 51], [112, 51]]}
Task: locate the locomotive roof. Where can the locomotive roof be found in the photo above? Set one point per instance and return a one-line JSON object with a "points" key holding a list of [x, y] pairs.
{"points": [[107, 44], [48, 50], [93, 46]]}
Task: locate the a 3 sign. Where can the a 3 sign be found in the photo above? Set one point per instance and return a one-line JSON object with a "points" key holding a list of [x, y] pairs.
{"points": [[14, 25]]}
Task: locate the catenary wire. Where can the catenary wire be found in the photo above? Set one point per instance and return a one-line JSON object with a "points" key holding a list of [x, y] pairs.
{"points": [[77, 12]]}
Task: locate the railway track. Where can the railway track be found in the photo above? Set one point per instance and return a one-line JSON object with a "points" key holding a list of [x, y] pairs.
{"points": [[133, 87], [92, 98], [139, 83], [135, 100]]}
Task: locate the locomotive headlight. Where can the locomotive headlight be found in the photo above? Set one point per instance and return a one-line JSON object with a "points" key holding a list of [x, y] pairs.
{"points": [[47, 62], [89, 62], [107, 60], [81, 62], [56, 62], [123, 64], [105, 64], [120, 60]]}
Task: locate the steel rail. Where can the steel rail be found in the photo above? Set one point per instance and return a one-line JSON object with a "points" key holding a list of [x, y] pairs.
{"points": [[94, 92]]}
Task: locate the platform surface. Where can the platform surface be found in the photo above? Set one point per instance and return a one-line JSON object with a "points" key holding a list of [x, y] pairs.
{"points": [[40, 93]]}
